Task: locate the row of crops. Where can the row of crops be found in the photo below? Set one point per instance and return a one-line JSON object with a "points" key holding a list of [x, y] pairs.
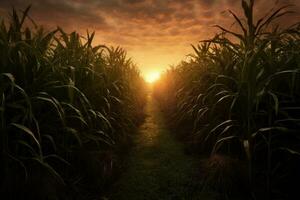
{"points": [[68, 110], [237, 101]]}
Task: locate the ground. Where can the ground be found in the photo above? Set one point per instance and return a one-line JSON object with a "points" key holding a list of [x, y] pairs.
{"points": [[157, 168]]}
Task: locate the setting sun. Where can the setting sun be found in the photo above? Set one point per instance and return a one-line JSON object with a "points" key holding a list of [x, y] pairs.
{"points": [[152, 77]]}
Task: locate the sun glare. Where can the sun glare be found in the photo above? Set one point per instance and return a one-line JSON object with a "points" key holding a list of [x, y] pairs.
{"points": [[152, 77]]}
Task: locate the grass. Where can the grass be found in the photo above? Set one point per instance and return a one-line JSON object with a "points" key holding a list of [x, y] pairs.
{"points": [[157, 167]]}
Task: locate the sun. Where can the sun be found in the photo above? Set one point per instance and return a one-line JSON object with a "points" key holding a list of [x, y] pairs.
{"points": [[153, 76]]}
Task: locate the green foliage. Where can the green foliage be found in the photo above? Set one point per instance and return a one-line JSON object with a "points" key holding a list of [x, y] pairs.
{"points": [[241, 98], [67, 110]]}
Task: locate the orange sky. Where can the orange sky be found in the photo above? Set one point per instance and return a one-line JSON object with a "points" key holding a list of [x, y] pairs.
{"points": [[155, 33]]}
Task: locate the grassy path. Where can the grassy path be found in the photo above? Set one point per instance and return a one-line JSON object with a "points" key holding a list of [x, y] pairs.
{"points": [[157, 168]]}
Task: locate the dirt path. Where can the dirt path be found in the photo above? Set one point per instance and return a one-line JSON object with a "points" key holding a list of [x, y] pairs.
{"points": [[158, 169]]}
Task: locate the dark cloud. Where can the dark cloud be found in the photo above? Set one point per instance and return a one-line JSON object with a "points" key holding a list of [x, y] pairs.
{"points": [[110, 15], [133, 1], [68, 14], [155, 27]]}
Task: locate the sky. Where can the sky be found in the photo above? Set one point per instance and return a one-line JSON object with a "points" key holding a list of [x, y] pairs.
{"points": [[155, 33]]}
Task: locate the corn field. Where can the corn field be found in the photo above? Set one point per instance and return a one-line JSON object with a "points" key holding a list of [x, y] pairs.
{"points": [[237, 100], [68, 110]]}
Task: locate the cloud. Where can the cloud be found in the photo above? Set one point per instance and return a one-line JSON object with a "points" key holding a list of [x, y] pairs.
{"points": [[143, 27]]}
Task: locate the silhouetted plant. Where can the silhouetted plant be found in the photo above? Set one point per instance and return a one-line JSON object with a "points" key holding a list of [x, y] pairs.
{"points": [[240, 97], [67, 110]]}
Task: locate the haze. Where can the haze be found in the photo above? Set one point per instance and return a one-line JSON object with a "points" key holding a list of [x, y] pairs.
{"points": [[155, 33]]}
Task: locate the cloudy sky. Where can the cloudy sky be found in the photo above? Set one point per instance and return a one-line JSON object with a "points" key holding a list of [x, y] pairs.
{"points": [[156, 33]]}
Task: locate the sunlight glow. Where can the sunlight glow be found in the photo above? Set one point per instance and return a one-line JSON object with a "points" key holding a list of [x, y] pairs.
{"points": [[152, 76]]}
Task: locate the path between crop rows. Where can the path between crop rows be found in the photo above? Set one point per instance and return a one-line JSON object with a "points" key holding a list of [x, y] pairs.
{"points": [[158, 169]]}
